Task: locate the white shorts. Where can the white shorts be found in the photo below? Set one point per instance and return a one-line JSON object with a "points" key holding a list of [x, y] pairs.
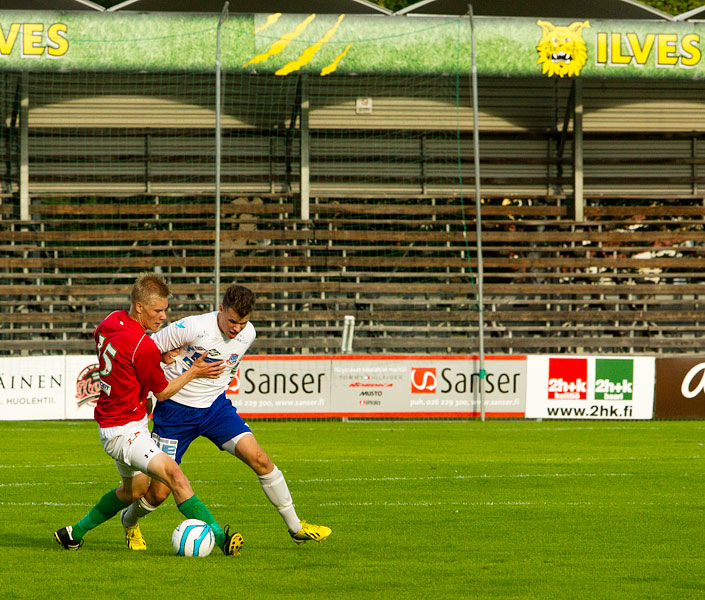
{"points": [[131, 446]]}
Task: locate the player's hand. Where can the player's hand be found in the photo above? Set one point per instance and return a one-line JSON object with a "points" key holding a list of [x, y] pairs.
{"points": [[209, 370], [170, 357]]}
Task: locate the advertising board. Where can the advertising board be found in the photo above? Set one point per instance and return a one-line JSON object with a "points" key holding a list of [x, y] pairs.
{"points": [[381, 386], [588, 387], [324, 44], [32, 388], [680, 388]]}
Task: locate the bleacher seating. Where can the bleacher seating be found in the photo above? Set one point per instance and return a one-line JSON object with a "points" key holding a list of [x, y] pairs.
{"points": [[625, 280]]}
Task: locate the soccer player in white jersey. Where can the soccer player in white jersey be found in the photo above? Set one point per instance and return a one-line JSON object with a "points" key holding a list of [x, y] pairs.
{"points": [[201, 408]]}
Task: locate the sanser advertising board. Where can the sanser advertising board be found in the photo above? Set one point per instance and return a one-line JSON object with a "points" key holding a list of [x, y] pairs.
{"points": [[382, 386], [67, 387]]}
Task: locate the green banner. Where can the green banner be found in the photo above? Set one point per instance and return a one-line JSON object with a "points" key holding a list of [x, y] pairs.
{"points": [[325, 44], [590, 48]]}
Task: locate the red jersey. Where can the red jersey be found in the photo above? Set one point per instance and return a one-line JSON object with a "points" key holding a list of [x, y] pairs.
{"points": [[129, 369]]}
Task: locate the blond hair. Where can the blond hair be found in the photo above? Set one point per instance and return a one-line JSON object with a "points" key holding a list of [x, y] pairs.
{"points": [[147, 287]]}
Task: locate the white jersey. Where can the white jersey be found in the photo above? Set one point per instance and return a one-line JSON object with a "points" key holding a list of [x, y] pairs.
{"points": [[194, 336]]}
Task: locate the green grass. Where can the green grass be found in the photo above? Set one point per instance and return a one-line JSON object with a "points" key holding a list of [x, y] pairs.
{"points": [[418, 510]]}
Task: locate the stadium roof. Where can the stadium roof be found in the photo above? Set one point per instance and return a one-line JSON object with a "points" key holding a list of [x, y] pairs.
{"points": [[203, 6], [585, 9]]}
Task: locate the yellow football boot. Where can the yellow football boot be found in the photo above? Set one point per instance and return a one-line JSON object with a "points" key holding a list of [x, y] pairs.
{"points": [[309, 531], [133, 536]]}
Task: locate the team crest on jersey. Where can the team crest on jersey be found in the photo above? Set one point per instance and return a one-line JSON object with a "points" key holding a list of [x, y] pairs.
{"points": [[233, 359]]}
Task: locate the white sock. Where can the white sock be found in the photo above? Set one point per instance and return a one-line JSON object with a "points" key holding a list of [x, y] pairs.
{"points": [[137, 510], [275, 488]]}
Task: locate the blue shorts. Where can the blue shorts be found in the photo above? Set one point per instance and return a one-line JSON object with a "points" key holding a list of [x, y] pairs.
{"points": [[176, 425]]}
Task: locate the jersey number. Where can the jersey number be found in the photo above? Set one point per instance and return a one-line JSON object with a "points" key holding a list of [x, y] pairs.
{"points": [[106, 355]]}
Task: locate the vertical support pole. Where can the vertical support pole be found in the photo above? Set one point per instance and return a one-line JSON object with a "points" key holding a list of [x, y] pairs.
{"points": [[24, 147], [578, 150], [218, 145], [305, 140], [694, 165], [478, 212]]}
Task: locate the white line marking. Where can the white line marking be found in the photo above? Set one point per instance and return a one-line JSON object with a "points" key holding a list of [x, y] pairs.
{"points": [[367, 479], [459, 477], [35, 483], [45, 504], [489, 504], [562, 461]]}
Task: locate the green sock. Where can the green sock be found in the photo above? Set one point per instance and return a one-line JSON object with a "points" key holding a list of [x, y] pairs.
{"points": [[193, 508], [107, 507]]}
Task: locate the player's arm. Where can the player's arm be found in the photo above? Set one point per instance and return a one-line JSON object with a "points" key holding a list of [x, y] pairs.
{"points": [[199, 368], [169, 356], [151, 376], [171, 338]]}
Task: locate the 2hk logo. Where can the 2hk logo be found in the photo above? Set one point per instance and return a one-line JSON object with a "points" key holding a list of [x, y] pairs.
{"points": [[423, 380], [614, 379], [567, 378]]}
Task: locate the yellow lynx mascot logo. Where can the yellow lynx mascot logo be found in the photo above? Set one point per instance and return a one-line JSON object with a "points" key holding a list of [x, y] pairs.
{"points": [[562, 50]]}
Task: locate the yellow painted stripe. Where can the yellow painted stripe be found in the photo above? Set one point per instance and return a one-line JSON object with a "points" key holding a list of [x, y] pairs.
{"points": [[279, 45], [308, 54], [271, 20], [334, 65]]}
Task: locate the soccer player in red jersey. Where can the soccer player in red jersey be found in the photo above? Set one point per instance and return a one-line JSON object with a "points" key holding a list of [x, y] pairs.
{"points": [[129, 370]]}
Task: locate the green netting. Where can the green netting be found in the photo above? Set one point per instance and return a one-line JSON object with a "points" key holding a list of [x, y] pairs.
{"points": [[341, 195]]}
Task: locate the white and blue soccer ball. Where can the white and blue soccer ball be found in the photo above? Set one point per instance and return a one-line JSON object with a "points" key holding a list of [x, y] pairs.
{"points": [[193, 538]]}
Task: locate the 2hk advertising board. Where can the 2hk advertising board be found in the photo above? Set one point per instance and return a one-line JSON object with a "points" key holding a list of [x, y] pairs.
{"points": [[588, 387]]}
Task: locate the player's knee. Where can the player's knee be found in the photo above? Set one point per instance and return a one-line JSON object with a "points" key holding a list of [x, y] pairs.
{"points": [[176, 480], [174, 473], [261, 463], [157, 494], [133, 489], [136, 494]]}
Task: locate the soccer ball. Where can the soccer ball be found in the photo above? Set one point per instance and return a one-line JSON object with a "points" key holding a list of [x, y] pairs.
{"points": [[193, 538]]}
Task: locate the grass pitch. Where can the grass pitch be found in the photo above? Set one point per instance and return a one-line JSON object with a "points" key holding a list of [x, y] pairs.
{"points": [[418, 510]]}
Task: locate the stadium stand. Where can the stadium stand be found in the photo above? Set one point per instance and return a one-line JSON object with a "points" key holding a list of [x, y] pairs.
{"points": [[390, 238], [550, 283]]}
